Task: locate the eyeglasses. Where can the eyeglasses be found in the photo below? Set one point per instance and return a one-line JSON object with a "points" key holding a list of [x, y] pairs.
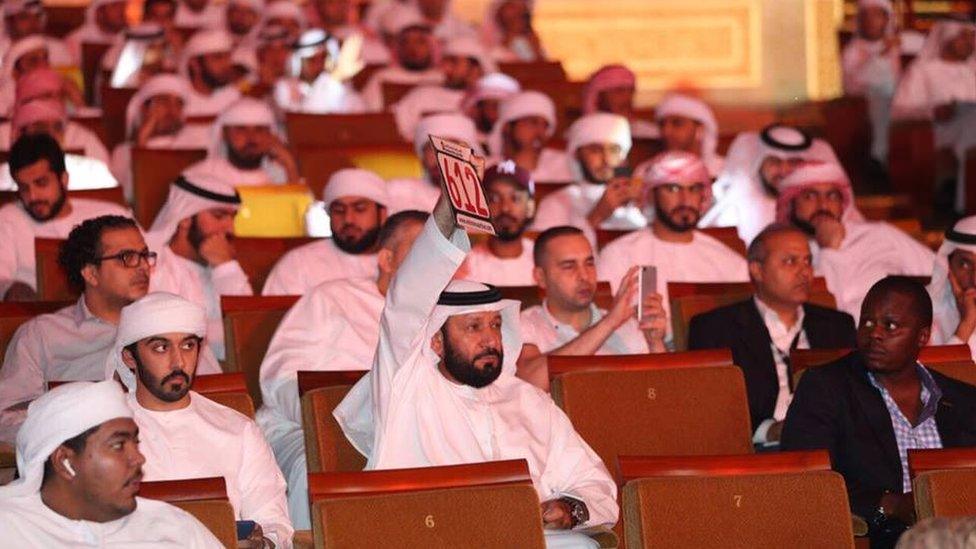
{"points": [[132, 258]]}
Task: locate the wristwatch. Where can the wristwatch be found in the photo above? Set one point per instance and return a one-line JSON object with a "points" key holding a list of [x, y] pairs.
{"points": [[577, 510]]}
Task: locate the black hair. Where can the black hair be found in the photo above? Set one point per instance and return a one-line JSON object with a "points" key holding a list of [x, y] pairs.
{"points": [[909, 287], [30, 149], [389, 233], [84, 245], [542, 241], [77, 445], [759, 250]]}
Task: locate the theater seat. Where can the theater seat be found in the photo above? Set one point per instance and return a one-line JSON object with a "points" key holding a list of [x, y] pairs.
{"points": [[559, 365], [326, 447], [52, 281], [114, 103], [153, 170], [945, 493], [772, 511], [689, 299], [229, 389], [91, 60], [249, 324], [204, 498], [951, 360], [13, 314], [341, 130], [657, 411], [533, 71], [109, 194], [393, 92], [634, 467], [912, 161], [923, 461], [476, 505]]}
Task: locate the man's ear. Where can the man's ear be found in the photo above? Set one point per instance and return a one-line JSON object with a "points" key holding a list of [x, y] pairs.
{"points": [[539, 277], [59, 457], [128, 358], [64, 180], [755, 271], [437, 344], [530, 208], [923, 336], [88, 274]]}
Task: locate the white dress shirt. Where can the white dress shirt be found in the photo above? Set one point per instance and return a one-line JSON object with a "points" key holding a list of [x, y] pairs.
{"points": [[781, 343], [27, 522], [539, 328], [482, 265], [307, 266], [206, 439]]}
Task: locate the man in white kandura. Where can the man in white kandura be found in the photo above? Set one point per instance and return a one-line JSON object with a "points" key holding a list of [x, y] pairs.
{"points": [[443, 390], [334, 326], [526, 123], [356, 204], [850, 255], [688, 124], [953, 287], [185, 435], [79, 472]]}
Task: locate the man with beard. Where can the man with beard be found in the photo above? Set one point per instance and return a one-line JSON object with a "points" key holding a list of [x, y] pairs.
{"points": [[207, 65], [611, 90], [443, 391], [42, 210], [104, 22], [688, 124], [526, 122], [422, 194], [334, 326], [464, 61], [869, 408], [482, 101], [356, 203], [599, 198], [506, 258], [106, 259], [309, 87], [194, 237], [953, 287], [745, 192], [241, 17], [851, 256], [184, 435], [678, 190], [245, 149], [762, 330], [413, 46], [80, 470], [27, 18], [569, 323]]}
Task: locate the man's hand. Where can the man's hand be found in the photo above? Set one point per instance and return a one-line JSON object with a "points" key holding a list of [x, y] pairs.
{"points": [[654, 323], [893, 41], [899, 506], [829, 233], [944, 113], [966, 304], [623, 308], [556, 515], [278, 152], [19, 291], [256, 540], [217, 249], [619, 191]]}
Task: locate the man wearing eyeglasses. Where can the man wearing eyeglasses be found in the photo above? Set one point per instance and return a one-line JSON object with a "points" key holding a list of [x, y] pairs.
{"points": [[108, 260], [677, 187], [850, 255], [43, 210]]}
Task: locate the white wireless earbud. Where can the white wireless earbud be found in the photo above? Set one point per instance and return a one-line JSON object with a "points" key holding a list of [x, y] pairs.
{"points": [[67, 465]]}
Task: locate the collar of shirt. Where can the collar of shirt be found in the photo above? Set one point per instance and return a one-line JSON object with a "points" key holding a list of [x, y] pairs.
{"points": [[781, 336], [82, 313], [929, 395], [595, 315]]}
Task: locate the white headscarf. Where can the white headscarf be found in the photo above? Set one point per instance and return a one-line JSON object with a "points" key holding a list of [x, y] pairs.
{"points": [[892, 26], [155, 314], [355, 411], [448, 126], [598, 127], [686, 106], [945, 311], [355, 182], [310, 43], [246, 111], [17, 50], [193, 192], [400, 16], [203, 43], [516, 107], [490, 86], [161, 84], [56, 416], [942, 32], [470, 47]]}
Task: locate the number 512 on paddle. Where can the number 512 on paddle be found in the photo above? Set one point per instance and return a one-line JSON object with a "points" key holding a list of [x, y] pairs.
{"points": [[462, 171]]}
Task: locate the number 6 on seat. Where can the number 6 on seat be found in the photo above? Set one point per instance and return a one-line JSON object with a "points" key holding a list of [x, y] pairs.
{"points": [[461, 172]]}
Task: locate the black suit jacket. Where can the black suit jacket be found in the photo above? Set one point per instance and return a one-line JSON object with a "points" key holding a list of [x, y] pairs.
{"points": [[836, 408], [740, 327]]}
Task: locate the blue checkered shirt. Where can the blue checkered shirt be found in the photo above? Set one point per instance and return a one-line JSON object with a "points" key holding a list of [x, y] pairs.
{"points": [[923, 435]]}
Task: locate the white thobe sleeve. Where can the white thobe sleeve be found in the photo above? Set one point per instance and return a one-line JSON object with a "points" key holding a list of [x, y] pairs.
{"points": [[410, 300], [229, 279], [263, 489], [573, 469], [21, 378], [916, 258], [287, 277]]}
